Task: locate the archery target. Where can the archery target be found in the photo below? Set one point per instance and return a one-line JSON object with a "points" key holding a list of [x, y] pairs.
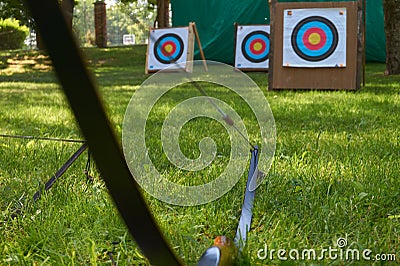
{"points": [[314, 37], [252, 47], [167, 48]]}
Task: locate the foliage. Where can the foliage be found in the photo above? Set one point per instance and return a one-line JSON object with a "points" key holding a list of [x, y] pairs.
{"points": [[17, 10], [335, 173], [151, 3], [83, 22], [131, 18], [122, 18], [12, 35]]}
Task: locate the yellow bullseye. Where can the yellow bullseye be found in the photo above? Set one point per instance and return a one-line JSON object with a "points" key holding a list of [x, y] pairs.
{"points": [[168, 48], [314, 38], [257, 46]]}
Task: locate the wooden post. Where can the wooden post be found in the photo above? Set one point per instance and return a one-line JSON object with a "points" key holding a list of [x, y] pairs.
{"points": [[360, 72], [272, 4], [364, 5], [196, 34], [235, 25], [190, 50], [100, 24]]}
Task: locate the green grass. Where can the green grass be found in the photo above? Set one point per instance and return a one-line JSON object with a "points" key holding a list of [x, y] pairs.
{"points": [[335, 173]]}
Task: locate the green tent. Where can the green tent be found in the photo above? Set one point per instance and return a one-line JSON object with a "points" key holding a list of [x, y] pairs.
{"points": [[215, 23]]}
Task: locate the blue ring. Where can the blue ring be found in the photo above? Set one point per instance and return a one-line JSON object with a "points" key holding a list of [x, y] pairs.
{"points": [[250, 53], [323, 27]]}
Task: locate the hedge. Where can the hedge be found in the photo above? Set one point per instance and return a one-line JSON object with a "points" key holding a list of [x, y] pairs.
{"points": [[12, 35]]}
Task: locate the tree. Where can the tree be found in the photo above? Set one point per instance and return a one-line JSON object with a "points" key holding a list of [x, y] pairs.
{"points": [[122, 18], [162, 18], [392, 29], [83, 22], [129, 18]]}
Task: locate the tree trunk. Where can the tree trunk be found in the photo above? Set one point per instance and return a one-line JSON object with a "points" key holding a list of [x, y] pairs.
{"points": [[67, 6], [39, 41], [392, 29], [100, 24], [162, 19]]}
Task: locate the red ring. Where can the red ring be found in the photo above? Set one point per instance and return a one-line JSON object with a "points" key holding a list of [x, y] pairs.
{"points": [[164, 52], [253, 42], [317, 46]]}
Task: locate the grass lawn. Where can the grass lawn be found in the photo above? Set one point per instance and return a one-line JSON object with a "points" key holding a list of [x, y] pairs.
{"points": [[335, 173]]}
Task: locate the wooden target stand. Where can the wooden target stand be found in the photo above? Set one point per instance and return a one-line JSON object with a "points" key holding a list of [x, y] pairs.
{"points": [[249, 57], [346, 76], [173, 48]]}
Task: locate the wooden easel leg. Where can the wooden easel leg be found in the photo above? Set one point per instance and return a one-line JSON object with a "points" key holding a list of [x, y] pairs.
{"points": [[196, 34]]}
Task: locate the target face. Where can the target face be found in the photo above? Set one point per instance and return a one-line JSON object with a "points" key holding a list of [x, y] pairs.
{"points": [[312, 40], [167, 48], [252, 47], [255, 46]]}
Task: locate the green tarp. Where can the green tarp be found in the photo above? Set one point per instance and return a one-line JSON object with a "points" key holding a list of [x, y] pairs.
{"points": [[215, 23]]}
